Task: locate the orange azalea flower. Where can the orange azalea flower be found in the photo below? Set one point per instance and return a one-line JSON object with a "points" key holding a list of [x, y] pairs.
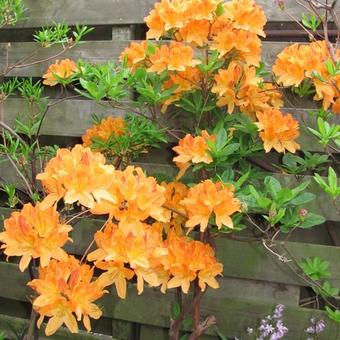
{"points": [[135, 54], [136, 197], [202, 9], [172, 13], [63, 69], [104, 130], [289, 67], [299, 62], [196, 32], [77, 175], [241, 44], [134, 243], [187, 259], [174, 194], [66, 294], [207, 198], [246, 15], [155, 24], [173, 57], [278, 131], [231, 82], [193, 150], [35, 233]]}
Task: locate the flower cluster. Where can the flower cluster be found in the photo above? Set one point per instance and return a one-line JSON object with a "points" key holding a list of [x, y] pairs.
{"points": [[238, 86], [60, 70], [132, 195], [131, 243], [207, 198], [77, 175], [193, 150], [272, 326], [278, 131], [35, 233], [135, 248], [187, 260], [231, 27], [66, 292], [297, 63], [316, 327], [102, 131]]}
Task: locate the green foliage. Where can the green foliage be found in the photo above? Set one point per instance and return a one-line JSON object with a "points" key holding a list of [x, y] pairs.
{"points": [[306, 88], [316, 268], [7, 88], [10, 190], [2, 335], [311, 21], [333, 314], [140, 135], [149, 87], [61, 34], [282, 206], [31, 91], [295, 164], [11, 12], [331, 185], [105, 81], [326, 132]]}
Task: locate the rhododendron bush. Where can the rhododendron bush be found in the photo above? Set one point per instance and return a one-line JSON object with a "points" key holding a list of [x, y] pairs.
{"points": [[201, 91]]}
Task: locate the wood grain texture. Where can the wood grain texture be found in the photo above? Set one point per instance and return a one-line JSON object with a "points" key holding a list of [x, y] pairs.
{"points": [[233, 314], [92, 51], [113, 12]]}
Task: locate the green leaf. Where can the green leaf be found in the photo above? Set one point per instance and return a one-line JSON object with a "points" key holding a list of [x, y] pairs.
{"points": [[302, 199], [272, 185], [220, 9], [312, 220], [333, 314], [315, 268], [175, 310]]}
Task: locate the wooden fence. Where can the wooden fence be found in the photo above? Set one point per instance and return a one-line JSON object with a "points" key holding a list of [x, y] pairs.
{"points": [[254, 281]]}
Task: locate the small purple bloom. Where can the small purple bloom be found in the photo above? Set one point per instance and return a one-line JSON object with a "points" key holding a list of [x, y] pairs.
{"points": [[316, 327]]}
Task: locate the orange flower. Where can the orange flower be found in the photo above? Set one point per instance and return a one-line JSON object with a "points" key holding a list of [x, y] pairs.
{"points": [[173, 57], [136, 197], [246, 15], [35, 233], [63, 69], [174, 194], [104, 130], [135, 54], [278, 131], [289, 67], [231, 82], [172, 13], [193, 150], [297, 63], [66, 292], [77, 175], [240, 44], [196, 32], [134, 243], [187, 259], [155, 24], [207, 198]]}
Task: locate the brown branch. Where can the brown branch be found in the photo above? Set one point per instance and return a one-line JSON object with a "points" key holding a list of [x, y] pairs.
{"points": [[203, 327]]}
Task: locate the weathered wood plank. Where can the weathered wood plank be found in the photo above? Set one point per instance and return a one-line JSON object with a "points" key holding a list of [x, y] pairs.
{"points": [[8, 324], [103, 12], [92, 51], [233, 315], [73, 117]]}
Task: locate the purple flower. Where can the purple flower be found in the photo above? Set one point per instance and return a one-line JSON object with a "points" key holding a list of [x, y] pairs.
{"points": [[316, 327], [278, 312], [272, 327]]}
